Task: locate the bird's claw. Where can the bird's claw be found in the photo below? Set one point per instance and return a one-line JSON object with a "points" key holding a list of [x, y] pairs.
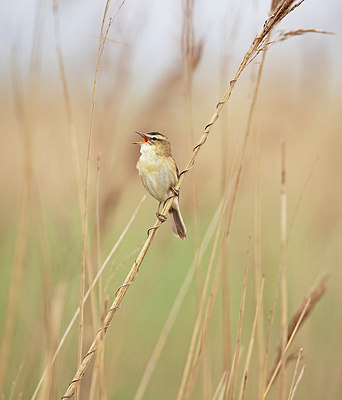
{"points": [[151, 229], [162, 218], [174, 191]]}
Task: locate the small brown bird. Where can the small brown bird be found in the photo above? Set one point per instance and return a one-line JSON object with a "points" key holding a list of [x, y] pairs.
{"points": [[159, 175]]}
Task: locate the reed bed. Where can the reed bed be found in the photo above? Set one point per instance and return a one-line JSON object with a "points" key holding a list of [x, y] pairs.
{"points": [[98, 303]]}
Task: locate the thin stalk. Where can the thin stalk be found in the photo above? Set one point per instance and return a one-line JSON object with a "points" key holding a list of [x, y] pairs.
{"points": [[291, 392], [297, 383], [67, 102], [175, 308], [251, 342], [268, 339], [198, 332], [102, 41], [91, 287], [283, 283], [25, 114], [296, 322], [276, 370], [257, 217], [239, 330], [282, 10], [86, 191]]}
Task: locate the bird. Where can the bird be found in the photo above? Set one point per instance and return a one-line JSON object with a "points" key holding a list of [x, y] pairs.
{"points": [[159, 174]]}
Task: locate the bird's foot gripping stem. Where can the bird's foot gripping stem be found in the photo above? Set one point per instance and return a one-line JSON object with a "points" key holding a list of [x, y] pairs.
{"points": [[162, 218], [174, 191]]}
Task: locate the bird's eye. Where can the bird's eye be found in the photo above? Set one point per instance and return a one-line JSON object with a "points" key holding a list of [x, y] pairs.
{"points": [[154, 139]]}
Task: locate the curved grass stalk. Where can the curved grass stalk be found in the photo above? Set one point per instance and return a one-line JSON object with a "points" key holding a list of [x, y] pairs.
{"points": [[91, 287], [284, 8]]}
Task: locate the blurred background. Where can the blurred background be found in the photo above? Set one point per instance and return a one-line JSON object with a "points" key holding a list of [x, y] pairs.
{"points": [[148, 82]]}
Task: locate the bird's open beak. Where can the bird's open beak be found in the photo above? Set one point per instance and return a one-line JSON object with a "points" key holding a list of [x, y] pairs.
{"points": [[143, 136]]}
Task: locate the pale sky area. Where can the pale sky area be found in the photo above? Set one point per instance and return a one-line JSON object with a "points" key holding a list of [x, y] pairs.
{"points": [[154, 28]]}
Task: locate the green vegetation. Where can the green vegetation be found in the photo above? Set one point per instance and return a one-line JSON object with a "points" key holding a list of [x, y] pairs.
{"points": [[262, 205]]}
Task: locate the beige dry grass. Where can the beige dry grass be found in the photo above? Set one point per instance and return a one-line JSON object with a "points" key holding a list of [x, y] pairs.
{"points": [[221, 345], [283, 8]]}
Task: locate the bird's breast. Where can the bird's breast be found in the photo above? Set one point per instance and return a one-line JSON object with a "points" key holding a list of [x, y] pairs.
{"points": [[158, 174]]}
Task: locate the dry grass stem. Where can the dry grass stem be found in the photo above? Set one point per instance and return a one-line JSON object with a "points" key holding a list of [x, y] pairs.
{"points": [[91, 287], [281, 11], [199, 320], [298, 32], [191, 55], [203, 318], [314, 296], [251, 341], [201, 340], [219, 392], [14, 383], [268, 339], [191, 353], [102, 41], [295, 373], [276, 369], [120, 293], [67, 102], [236, 358], [98, 226], [15, 284], [284, 35], [86, 190], [296, 322], [98, 376], [283, 279], [176, 307], [244, 387], [257, 209], [301, 195], [54, 322], [20, 251], [69, 177], [297, 383]]}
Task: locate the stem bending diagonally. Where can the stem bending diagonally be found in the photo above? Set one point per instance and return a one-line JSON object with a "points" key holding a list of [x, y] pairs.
{"points": [[284, 8]]}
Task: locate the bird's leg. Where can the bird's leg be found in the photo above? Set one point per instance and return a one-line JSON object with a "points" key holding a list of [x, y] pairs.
{"points": [[175, 193], [151, 229], [162, 218]]}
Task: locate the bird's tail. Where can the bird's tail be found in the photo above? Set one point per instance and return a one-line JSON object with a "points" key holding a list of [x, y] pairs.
{"points": [[176, 220]]}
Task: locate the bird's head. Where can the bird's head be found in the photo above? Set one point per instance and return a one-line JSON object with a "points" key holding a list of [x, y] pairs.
{"points": [[159, 142]]}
